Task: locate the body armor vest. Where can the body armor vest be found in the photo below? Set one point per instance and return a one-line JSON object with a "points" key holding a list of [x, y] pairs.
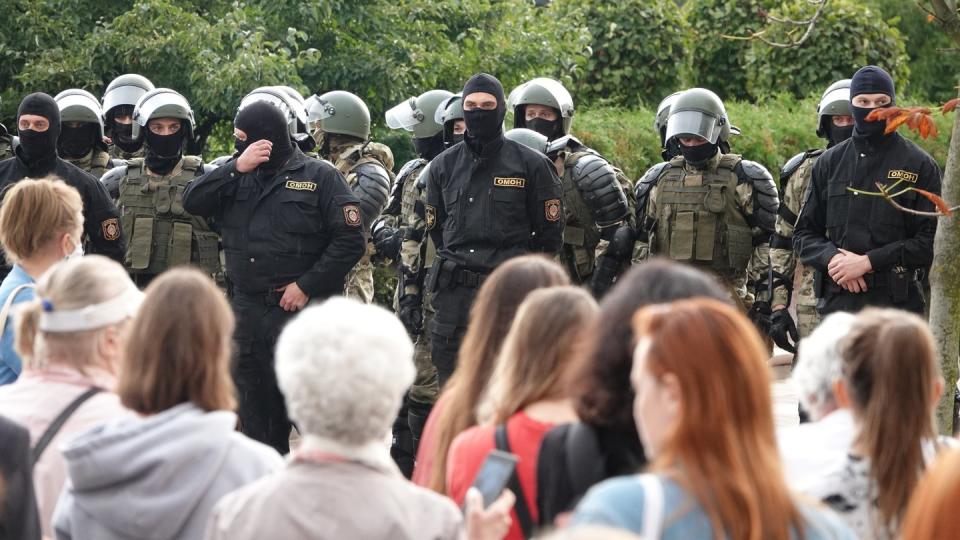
{"points": [[161, 233], [580, 234], [698, 220], [96, 162]]}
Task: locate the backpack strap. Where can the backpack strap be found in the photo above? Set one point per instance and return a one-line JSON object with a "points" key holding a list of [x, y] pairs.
{"points": [[523, 512], [652, 506], [5, 311], [60, 420]]}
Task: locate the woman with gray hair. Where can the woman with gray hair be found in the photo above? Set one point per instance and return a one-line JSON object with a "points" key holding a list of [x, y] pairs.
{"points": [[343, 368], [808, 450]]}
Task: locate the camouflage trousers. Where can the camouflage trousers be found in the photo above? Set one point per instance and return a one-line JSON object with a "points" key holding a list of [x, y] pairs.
{"points": [[807, 319], [426, 385], [360, 281]]}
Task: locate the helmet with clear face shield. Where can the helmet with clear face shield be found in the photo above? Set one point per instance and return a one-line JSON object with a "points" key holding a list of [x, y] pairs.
{"points": [[78, 105], [834, 102], [698, 112], [125, 90], [293, 111], [541, 91], [419, 114], [663, 112], [162, 103]]}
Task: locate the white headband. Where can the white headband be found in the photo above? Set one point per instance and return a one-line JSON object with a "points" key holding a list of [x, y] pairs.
{"points": [[91, 317]]}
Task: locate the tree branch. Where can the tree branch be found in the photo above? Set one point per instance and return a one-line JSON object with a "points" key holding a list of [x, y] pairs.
{"points": [[810, 23]]}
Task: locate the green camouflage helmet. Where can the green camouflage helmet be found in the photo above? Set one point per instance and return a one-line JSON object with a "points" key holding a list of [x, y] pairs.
{"points": [[344, 113], [834, 102], [529, 138], [162, 103], [541, 91], [78, 105], [418, 114], [698, 112], [663, 112], [295, 114], [125, 90]]}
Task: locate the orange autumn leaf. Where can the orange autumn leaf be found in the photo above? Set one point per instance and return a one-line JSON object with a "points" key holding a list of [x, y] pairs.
{"points": [[930, 18], [928, 128], [884, 113], [892, 125], [941, 204], [950, 105], [914, 121]]}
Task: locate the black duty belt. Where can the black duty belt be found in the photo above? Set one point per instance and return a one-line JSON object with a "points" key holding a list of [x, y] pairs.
{"points": [[468, 278]]}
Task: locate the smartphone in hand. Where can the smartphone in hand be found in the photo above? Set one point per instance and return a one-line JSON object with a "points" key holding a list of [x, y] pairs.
{"points": [[494, 475]]}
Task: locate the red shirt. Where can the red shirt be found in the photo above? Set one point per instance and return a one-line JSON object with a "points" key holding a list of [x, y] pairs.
{"points": [[471, 447], [427, 451]]}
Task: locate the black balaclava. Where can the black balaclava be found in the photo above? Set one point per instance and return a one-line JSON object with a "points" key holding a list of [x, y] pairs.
{"points": [[837, 135], [164, 151], [429, 147], [39, 147], [122, 134], [261, 120], [484, 127], [698, 155], [870, 80], [76, 142], [449, 138], [551, 129], [670, 150]]}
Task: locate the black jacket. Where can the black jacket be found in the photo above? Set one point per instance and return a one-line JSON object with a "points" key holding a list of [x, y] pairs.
{"points": [[484, 208], [19, 519], [101, 219], [301, 224], [833, 217]]}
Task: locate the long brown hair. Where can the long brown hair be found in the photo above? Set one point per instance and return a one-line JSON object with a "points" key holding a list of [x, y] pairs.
{"points": [[490, 319], [889, 359], [723, 449], [932, 513], [538, 351], [179, 347]]}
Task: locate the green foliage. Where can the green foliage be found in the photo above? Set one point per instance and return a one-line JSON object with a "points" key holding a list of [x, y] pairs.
{"points": [[639, 47], [848, 36]]}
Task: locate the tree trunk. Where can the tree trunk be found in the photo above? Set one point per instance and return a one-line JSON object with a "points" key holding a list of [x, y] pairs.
{"points": [[945, 284]]}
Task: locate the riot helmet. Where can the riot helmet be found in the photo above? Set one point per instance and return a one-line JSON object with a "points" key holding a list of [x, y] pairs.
{"points": [[698, 112], [79, 106], [418, 114], [447, 114], [546, 92], [163, 103], [343, 113], [292, 110], [529, 138], [835, 101]]}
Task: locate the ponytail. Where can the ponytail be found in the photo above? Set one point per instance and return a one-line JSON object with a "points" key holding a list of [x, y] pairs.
{"points": [[26, 321]]}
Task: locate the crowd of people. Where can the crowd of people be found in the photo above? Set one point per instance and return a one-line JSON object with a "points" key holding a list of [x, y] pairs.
{"points": [[569, 355]]}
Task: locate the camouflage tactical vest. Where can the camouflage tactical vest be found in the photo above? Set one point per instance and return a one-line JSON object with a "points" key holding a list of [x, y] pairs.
{"points": [[95, 162], [580, 234], [355, 155], [160, 233], [6, 147], [698, 220]]}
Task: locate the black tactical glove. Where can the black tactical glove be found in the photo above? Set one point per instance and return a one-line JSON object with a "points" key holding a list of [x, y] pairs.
{"points": [[759, 315], [386, 240], [783, 330], [410, 313]]}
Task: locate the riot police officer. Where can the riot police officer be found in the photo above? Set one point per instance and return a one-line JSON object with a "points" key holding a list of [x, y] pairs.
{"points": [[866, 252], [149, 192], [81, 132], [488, 199], [450, 114], [669, 148], [342, 133], [291, 230], [119, 100], [834, 123], [38, 122], [405, 240], [713, 210], [598, 235]]}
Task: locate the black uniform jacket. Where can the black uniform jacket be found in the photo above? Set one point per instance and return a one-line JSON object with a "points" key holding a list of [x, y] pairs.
{"points": [[834, 217], [484, 208], [300, 224], [101, 219]]}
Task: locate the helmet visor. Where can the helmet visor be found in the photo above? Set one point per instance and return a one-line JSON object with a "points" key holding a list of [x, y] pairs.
{"points": [[693, 123], [441, 115], [404, 115]]}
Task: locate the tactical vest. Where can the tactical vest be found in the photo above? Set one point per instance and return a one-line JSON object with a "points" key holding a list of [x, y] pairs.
{"points": [[580, 235], [356, 155], [161, 234], [6, 148], [698, 220], [95, 162], [413, 193]]}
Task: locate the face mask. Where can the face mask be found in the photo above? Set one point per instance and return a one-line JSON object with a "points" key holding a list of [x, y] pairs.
{"points": [[163, 151], [76, 142], [240, 146], [484, 125], [698, 155], [123, 138], [839, 134], [77, 250], [456, 138], [671, 150], [37, 145], [548, 128], [864, 127], [429, 147], [305, 142]]}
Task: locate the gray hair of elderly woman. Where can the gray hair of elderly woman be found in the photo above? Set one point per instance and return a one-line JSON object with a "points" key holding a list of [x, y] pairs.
{"points": [[343, 368], [820, 364]]}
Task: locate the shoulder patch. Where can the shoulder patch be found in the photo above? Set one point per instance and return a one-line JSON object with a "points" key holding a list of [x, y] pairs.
{"points": [[430, 216], [110, 228], [351, 215], [552, 209]]}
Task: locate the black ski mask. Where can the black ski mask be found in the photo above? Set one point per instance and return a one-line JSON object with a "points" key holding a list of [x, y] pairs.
{"points": [[261, 120], [122, 134], [551, 129], [837, 135], [164, 151], [870, 80], [670, 150], [76, 142], [429, 147], [698, 155], [39, 147], [484, 127]]}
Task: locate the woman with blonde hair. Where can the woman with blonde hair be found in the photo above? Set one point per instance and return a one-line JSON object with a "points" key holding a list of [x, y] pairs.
{"points": [[526, 396], [41, 223], [70, 336], [158, 474], [704, 413], [490, 319]]}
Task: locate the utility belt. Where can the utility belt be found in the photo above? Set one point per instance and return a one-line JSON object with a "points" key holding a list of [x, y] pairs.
{"points": [[897, 281], [444, 274]]}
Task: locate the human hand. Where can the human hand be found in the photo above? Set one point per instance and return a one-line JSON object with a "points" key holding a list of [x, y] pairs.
{"points": [[491, 523], [846, 267], [254, 155], [293, 297]]}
